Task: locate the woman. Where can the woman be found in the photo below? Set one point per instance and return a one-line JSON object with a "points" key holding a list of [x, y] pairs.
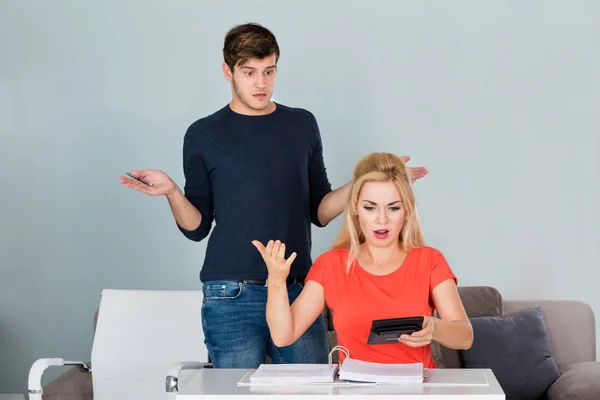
{"points": [[379, 268]]}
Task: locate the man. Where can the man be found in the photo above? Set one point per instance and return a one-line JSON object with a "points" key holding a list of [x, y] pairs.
{"points": [[256, 168]]}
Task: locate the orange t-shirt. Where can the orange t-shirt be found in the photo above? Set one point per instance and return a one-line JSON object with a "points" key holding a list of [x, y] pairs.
{"points": [[357, 299]]}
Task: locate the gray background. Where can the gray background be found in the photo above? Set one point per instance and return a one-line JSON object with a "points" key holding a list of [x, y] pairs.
{"points": [[498, 99]]}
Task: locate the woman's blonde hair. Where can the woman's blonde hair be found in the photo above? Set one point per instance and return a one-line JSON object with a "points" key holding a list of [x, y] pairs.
{"points": [[379, 167]]}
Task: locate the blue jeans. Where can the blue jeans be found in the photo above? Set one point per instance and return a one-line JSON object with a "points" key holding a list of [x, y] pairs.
{"points": [[236, 333]]}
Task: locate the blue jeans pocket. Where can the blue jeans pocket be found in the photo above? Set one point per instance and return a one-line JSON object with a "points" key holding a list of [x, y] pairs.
{"points": [[221, 290]]}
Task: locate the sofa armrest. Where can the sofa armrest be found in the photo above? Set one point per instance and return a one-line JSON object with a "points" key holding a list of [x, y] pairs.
{"points": [[74, 384], [570, 324], [577, 381]]}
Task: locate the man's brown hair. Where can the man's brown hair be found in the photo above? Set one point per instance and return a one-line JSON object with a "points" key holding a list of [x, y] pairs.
{"points": [[247, 41]]}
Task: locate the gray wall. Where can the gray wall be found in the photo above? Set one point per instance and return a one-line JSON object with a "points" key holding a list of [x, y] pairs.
{"points": [[498, 99]]}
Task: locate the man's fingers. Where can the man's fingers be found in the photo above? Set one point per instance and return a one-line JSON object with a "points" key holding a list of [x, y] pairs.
{"points": [[132, 183], [139, 173], [404, 159], [417, 173], [418, 170], [142, 189]]}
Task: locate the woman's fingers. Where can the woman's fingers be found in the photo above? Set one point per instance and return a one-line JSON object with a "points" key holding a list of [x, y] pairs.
{"points": [[275, 251], [281, 253], [291, 259], [415, 341]]}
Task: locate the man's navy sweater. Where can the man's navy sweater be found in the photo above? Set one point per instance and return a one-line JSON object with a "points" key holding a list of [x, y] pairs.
{"points": [[257, 178]]}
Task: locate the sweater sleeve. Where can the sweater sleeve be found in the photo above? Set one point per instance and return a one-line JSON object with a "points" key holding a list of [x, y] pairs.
{"points": [[197, 186], [319, 185]]}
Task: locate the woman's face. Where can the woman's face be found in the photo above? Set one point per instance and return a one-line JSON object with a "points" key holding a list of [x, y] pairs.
{"points": [[380, 213]]}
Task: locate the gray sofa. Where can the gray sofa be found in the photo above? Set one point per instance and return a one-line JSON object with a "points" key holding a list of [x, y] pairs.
{"points": [[571, 331]]}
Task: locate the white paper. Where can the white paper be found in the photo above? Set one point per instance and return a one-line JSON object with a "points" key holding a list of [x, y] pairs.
{"points": [[294, 373], [356, 370]]}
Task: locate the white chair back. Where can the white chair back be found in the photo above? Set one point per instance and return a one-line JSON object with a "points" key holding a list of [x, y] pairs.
{"points": [[139, 335]]}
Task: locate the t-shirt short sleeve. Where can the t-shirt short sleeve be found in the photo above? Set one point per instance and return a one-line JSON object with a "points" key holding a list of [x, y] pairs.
{"points": [[315, 273], [440, 271]]}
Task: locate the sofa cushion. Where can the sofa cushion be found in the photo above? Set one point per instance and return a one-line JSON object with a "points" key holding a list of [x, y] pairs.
{"points": [[577, 381], [517, 350], [74, 384], [332, 340], [478, 301]]}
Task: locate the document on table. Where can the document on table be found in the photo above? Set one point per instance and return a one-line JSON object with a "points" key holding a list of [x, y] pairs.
{"points": [[363, 371], [294, 373]]}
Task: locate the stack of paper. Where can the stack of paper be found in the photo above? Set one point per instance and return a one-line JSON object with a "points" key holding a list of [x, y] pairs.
{"points": [[362, 371], [294, 373]]}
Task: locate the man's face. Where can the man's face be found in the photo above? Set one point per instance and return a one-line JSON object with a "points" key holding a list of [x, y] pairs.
{"points": [[252, 85]]}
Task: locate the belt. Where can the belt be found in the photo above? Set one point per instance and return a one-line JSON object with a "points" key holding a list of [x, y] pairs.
{"points": [[290, 280]]}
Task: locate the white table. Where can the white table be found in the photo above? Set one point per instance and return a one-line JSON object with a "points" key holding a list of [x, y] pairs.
{"points": [[215, 383]]}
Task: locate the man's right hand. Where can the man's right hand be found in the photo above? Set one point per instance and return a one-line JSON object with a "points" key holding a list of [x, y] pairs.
{"points": [[163, 185]]}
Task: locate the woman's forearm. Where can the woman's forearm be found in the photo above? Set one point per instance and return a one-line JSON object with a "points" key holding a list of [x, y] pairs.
{"points": [[279, 314], [453, 334]]}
